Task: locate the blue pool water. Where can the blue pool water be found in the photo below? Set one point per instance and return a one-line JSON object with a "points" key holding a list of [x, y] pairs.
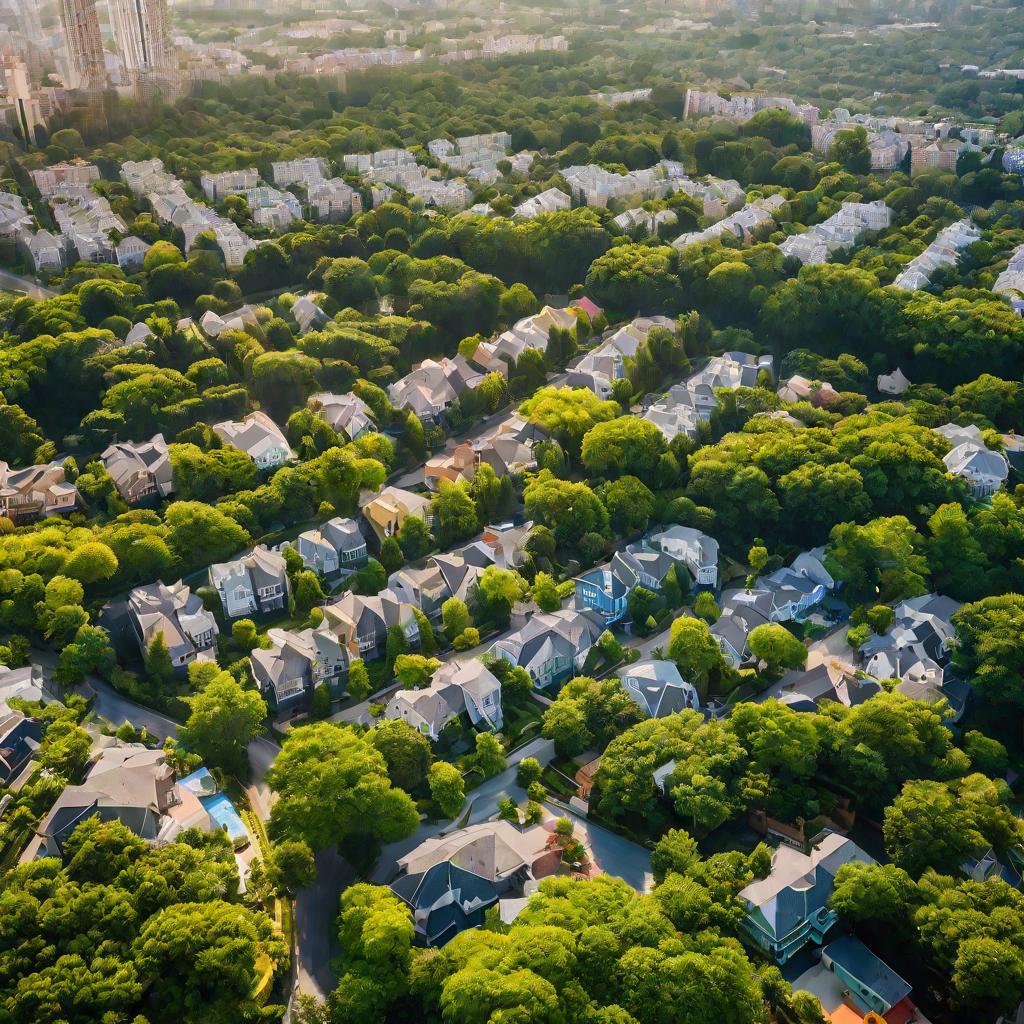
{"points": [[224, 815]]}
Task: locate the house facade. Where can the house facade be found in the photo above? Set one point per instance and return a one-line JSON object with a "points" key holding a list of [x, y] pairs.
{"points": [[255, 584], [140, 471], [259, 437], [176, 614], [35, 492]]}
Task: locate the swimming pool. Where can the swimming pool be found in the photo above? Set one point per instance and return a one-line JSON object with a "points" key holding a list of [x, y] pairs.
{"points": [[224, 815]]}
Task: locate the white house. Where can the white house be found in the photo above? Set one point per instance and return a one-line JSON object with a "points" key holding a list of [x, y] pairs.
{"points": [[259, 437], [254, 584]]}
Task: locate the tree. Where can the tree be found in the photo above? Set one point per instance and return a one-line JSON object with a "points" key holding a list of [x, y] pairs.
{"points": [[988, 648], [588, 712], [454, 617], [630, 504], [414, 671], [358, 680], [567, 414], [489, 757], [528, 772], [498, 590], [391, 555], [627, 445], [675, 851], [159, 667], [545, 593], [406, 751], [223, 720], [320, 702], [850, 149], [244, 634], [414, 538], [90, 563], [568, 509], [939, 826], [350, 282], [705, 607], [428, 640], [776, 647], [692, 647], [290, 866], [333, 786], [396, 645], [446, 788], [307, 592], [65, 749], [455, 513]]}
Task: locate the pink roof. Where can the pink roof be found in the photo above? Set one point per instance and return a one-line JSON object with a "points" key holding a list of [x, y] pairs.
{"points": [[587, 307]]}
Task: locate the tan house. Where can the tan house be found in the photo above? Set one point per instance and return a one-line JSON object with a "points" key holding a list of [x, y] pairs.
{"points": [[456, 466], [35, 491], [386, 511]]}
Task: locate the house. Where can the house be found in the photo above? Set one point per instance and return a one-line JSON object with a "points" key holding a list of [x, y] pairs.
{"points": [[449, 882], [894, 383], [176, 614], [45, 251], [793, 591], [140, 471], [734, 626], [456, 688], [20, 736], [603, 592], [433, 386], [26, 683], [508, 449], [789, 908], [531, 332], [255, 584], [922, 632], [546, 202], [36, 491], [345, 414], [551, 646], [386, 511], [829, 681], [944, 251], [456, 466], [259, 437], [425, 588], [333, 199], [131, 253], [217, 186], [336, 546], [361, 623], [800, 389], [131, 784], [872, 984], [598, 369], [307, 314], [696, 550], [139, 334], [296, 663], [983, 469], [658, 688]]}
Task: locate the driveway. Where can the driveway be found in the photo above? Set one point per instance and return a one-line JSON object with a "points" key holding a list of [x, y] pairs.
{"points": [[31, 288], [315, 911], [613, 854], [117, 709]]}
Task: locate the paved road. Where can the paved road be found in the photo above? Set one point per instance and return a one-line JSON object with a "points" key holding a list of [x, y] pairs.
{"points": [[315, 911], [613, 854], [15, 283], [117, 709]]}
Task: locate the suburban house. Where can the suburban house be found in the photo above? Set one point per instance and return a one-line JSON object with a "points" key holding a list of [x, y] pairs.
{"points": [[456, 466], [508, 450], [468, 687], [789, 908], [791, 592], [531, 332], [872, 985], [307, 314], [176, 614], [25, 683], [140, 471], [603, 592], [433, 386], [386, 511], [598, 369], [425, 588], [983, 469], [255, 584], [800, 389], [944, 251], [20, 736], [829, 681], [334, 547], [36, 491], [346, 414], [895, 383], [546, 202], [127, 783], [361, 623], [449, 882], [916, 649], [658, 688], [696, 550], [259, 437], [296, 663], [551, 646], [733, 627]]}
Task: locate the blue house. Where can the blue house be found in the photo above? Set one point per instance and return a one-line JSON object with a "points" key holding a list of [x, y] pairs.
{"points": [[873, 985], [604, 592]]}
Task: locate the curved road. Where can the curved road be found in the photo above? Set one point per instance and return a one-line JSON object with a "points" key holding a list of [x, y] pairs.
{"points": [[14, 283]]}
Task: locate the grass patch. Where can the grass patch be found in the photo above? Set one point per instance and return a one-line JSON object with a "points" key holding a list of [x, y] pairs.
{"points": [[556, 783]]}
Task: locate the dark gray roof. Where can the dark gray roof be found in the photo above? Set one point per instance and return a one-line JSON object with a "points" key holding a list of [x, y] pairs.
{"points": [[423, 891]]}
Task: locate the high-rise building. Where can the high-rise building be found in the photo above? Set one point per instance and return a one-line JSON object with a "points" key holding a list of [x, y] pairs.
{"points": [[84, 43], [24, 103], [141, 31]]}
